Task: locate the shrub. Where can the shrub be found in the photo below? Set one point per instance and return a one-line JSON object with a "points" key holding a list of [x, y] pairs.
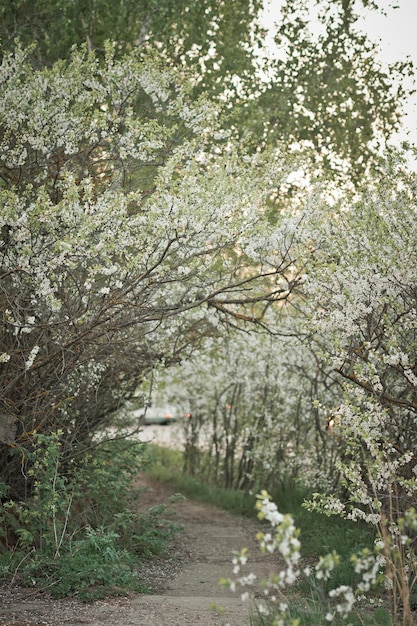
{"points": [[327, 602], [79, 533]]}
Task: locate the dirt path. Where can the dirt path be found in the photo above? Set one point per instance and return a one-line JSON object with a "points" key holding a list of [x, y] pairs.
{"points": [[186, 584]]}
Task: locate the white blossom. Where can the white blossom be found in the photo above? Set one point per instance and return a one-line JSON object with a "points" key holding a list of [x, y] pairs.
{"points": [[31, 358]]}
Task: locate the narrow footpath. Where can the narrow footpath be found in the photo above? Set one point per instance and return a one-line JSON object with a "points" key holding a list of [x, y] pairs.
{"points": [[185, 585]]}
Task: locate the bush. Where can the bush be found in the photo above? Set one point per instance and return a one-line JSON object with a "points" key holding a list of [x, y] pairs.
{"points": [[91, 566], [79, 534], [276, 599]]}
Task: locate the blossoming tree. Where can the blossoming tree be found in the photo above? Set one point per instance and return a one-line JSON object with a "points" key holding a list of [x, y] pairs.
{"points": [[124, 239], [363, 310], [325, 88], [251, 397]]}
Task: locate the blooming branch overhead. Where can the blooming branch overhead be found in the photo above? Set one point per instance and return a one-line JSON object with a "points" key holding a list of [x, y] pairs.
{"points": [[124, 210]]}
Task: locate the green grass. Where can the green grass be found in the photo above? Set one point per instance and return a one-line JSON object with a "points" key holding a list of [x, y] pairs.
{"points": [[166, 467]]}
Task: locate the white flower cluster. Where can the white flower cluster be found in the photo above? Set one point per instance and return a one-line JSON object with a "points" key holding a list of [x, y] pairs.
{"points": [[338, 602], [31, 358], [344, 607], [370, 566]]}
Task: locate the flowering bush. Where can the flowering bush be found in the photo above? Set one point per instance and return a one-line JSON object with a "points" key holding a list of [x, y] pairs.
{"points": [[252, 420], [124, 210], [336, 604], [361, 291]]}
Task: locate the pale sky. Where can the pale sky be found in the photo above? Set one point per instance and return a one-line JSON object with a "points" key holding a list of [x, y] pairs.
{"points": [[397, 34], [398, 38]]}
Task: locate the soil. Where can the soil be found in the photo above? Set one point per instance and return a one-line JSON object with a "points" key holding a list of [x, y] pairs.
{"points": [[184, 584]]}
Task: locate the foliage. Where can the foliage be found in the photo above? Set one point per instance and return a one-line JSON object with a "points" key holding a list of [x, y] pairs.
{"points": [[93, 566], [216, 37], [327, 89], [118, 251], [328, 604], [79, 534], [361, 294]]}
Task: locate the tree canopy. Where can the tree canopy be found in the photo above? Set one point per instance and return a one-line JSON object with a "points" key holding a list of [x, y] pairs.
{"points": [[123, 241], [325, 89], [328, 89]]}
